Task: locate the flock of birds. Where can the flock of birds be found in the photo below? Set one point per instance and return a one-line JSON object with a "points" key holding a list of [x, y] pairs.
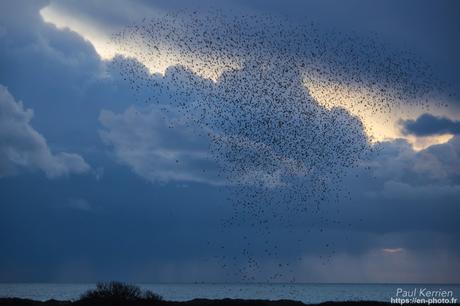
{"points": [[242, 82]]}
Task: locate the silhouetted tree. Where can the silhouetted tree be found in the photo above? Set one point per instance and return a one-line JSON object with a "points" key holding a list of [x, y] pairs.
{"points": [[118, 293]]}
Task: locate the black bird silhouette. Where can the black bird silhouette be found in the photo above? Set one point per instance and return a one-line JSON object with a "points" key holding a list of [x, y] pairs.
{"points": [[242, 80]]}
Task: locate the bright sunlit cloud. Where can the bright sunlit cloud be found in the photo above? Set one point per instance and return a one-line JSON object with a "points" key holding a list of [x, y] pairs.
{"points": [[100, 38], [379, 125], [85, 28]]}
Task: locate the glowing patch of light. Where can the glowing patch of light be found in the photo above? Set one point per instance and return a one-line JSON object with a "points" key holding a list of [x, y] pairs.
{"points": [[379, 125], [90, 32], [421, 143], [392, 250], [99, 38]]}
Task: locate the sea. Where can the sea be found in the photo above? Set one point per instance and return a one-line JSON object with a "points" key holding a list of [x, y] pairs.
{"points": [[307, 293]]}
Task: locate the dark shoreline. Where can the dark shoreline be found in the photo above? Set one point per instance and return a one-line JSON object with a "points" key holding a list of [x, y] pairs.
{"points": [[116, 293], [194, 302]]}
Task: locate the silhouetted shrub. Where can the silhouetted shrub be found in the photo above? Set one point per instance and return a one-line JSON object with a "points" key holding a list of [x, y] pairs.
{"points": [[117, 292], [152, 296]]}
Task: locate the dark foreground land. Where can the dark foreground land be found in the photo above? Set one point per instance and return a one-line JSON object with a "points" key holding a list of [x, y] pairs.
{"points": [[195, 302], [119, 294]]}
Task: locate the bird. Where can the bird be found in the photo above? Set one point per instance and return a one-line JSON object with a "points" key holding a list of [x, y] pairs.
{"points": [[242, 81]]}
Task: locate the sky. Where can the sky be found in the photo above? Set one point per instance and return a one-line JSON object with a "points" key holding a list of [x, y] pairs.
{"points": [[98, 184]]}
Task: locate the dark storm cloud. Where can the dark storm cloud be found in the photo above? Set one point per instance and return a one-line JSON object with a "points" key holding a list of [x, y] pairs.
{"points": [[400, 27], [429, 125], [170, 230], [401, 24]]}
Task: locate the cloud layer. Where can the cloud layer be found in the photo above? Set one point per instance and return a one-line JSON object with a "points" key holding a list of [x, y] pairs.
{"points": [[22, 147], [429, 125], [158, 148], [157, 212]]}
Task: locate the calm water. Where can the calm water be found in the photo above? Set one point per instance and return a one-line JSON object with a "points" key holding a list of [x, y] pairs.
{"points": [[307, 293]]}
